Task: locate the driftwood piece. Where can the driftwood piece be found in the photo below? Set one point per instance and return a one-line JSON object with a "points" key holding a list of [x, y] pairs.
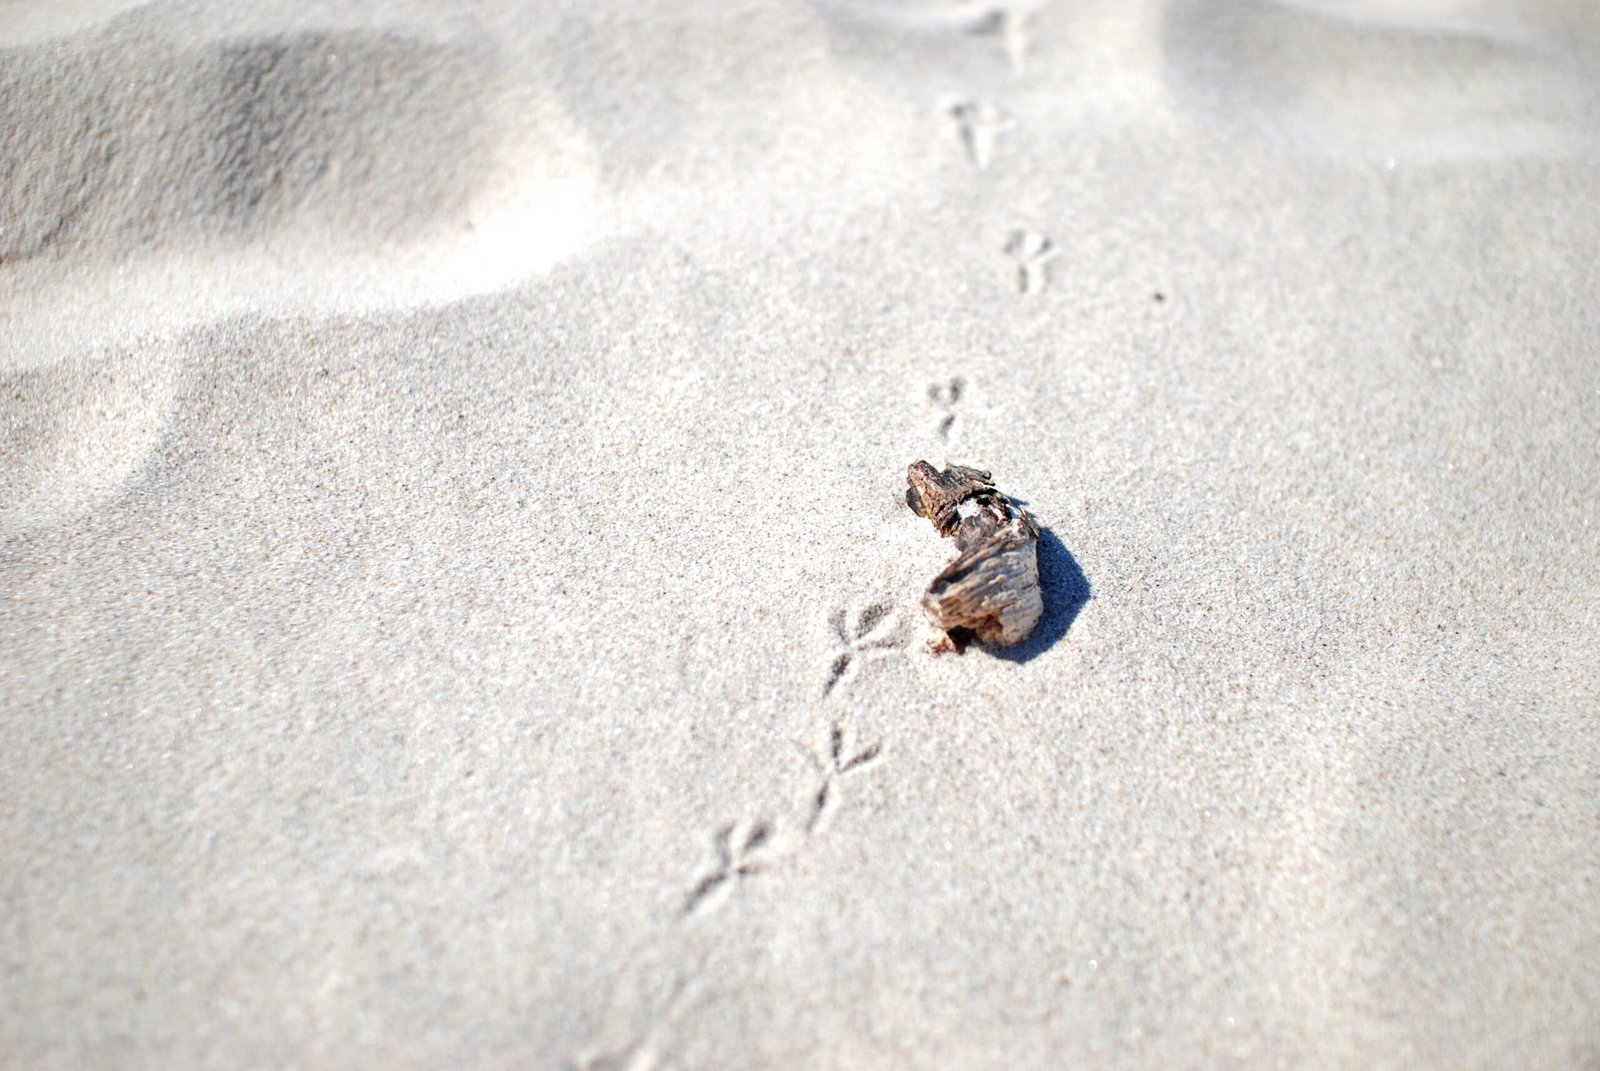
{"points": [[990, 593]]}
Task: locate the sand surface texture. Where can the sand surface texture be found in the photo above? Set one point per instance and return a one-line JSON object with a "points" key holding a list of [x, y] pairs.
{"points": [[458, 608]]}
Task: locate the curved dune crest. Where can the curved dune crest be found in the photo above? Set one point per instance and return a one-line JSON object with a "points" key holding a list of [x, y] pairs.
{"points": [[302, 171], [75, 433], [22, 23], [113, 147], [56, 149], [1565, 22], [1394, 86], [925, 15]]}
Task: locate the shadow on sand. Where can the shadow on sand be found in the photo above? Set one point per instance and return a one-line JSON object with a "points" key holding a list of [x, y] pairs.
{"points": [[1065, 591]]}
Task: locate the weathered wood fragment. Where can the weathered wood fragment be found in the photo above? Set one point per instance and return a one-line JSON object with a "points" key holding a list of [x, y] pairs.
{"points": [[990, 593]]}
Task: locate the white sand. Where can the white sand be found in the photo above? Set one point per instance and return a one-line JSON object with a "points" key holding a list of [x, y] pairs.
{"points": [[439, 456]]}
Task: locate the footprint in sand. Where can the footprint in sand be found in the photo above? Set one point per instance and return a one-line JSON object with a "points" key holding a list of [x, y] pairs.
{"points": [[863, 634], [956, 402], [946, 397], [744, 849], [969, 35], [980, 125], [839, 758], [1032, 251], [1012, 25], [646, 1050], [1008, 21]]}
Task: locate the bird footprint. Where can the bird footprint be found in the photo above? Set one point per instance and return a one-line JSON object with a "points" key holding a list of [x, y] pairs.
{"points": [[1013, 25], [863, 634], [646, 1051], [744, 849], [980, 125], [945, 397], [1032, 251], [838, 759]]}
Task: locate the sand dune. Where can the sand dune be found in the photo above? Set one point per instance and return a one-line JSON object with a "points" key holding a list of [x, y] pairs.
{"points": [[1400, 85], [125, 144], [77, 432], [310, 169], [458, 604]]}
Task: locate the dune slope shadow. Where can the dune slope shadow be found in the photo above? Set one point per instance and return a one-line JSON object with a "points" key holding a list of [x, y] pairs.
{"points": [[1338, 85], [117, 142], [1066, 592]]}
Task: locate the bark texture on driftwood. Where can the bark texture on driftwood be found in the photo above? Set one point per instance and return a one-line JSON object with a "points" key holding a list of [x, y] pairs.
{"points": [[990, 593]]}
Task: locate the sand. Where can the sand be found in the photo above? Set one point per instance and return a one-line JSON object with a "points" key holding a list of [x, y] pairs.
{"points": [[458, 607]]}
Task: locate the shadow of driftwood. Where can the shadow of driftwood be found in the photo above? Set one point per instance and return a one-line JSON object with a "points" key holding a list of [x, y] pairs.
{"points": [[1065, 590]]}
